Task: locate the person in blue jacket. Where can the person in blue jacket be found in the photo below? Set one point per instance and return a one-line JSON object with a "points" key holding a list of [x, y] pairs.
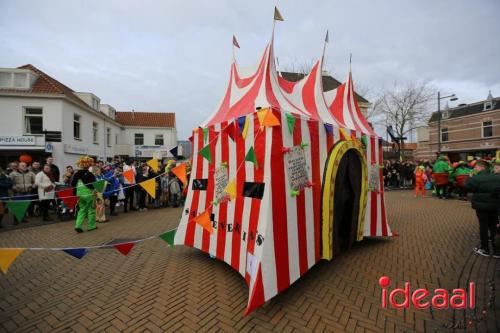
{"points": [[112, 177]]}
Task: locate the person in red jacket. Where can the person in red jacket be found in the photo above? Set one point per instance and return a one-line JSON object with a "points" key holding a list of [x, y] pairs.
{"points": [[420, 179]]}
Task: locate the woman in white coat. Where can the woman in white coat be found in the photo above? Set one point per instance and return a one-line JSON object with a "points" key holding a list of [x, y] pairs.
{"points": [[46, 190]]}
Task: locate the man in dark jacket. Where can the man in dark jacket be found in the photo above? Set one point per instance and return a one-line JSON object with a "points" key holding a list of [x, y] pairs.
{"points": [[5, 186], [54, 169], [484, 184]]}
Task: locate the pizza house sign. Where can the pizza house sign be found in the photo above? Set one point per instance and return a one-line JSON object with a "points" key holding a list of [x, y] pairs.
{"points": [[17, 140]]}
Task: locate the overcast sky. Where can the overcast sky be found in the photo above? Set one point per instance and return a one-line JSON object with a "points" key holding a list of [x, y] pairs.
{"points": [[174, 56]]}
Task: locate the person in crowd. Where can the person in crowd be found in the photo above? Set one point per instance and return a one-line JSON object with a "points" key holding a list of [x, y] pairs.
{"points": [[164, 189], [420, 179], [23, 183], [35, 167], [440, 173], [68, 175], [82, 182], [174, 189], [53, 168], [113, 187], [5, 186], [100, 206], [44, 181], [459, 175], [143, 176], [12, 167], [129, 187], [484, 184]]}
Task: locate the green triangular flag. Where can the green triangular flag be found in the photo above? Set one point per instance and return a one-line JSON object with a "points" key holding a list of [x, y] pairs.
{"points": [[205, 134], [169, 237], [205, 152], [364, 139], [18, 208], [99, 185], [291, 122], [251, 157]]}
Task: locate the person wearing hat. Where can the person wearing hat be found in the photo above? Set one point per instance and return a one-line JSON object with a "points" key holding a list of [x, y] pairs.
{"points": [[82, 182], [440, 173], [485, 200], [420, 179]]}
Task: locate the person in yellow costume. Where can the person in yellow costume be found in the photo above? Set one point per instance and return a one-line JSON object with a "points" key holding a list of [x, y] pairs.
{"points": [[82, 182]]}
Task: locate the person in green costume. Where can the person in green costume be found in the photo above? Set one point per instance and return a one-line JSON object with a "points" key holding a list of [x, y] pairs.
{"points": [[460, 176], [82, 182], [440, 171]]}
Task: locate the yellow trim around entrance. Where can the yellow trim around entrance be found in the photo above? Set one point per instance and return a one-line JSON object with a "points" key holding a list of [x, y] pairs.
{"points": [[332, 162]]}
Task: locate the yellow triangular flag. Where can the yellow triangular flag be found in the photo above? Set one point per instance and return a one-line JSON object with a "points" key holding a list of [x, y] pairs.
{"points": [[7, 257], [346, 137], [149, 185], [153, 163], [245, 128], [261, 114], [231, 189], [277, 15]]}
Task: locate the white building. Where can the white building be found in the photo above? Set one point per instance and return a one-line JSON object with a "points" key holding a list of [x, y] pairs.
{"points": [[41, 116]]}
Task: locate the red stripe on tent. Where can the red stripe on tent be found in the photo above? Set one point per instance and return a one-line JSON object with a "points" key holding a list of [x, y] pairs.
{"points": [[308, 93], [287, 86], [316, 179], [373, 210], [329, 141], [361, 118], [256, 298], [205, 241], [381, 187], [243, 82], [349, 108], [193, 210], [224, 106], [301, 209], [222, 218], [337, 107]]}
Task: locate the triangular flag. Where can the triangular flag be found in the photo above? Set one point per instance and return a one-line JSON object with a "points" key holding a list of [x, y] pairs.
{"points": [[7, 257], [153, 163], [245, 128], [180, 172], [235, 42], [344, 135], [251, 157], [205, 134], [364, 139], [149, 185], [329, 129], [77, 253], [175, 151], [124, 248], [204, 220], [99, 185], [241, 123], [291, 122], [353, 137], [205, 152], [169, 237], [277, 15], [261, 114], [129, 175], [270, 120], [231, 189], [68, 198], [18, 208], [229, 129]]}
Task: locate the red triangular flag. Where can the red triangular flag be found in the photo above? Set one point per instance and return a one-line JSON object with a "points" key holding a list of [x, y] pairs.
{"points": [[229, 130], [68, 198], [124, 248], [129, 175]]}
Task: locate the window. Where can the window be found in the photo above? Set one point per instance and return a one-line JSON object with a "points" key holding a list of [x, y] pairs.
{"points": [[488, 106], [159, 139], [139, 139], [116, 139], [76, 126], [487, 129], [33, 121], [5, 79], [95, 104], [108, 136], [444, 134], [95, 132], [20, 80]]}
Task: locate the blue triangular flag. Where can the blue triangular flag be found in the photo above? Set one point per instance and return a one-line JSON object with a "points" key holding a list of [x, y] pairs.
{"points": [[77, 253], [241, 123], [329, 128], [174, 151]]}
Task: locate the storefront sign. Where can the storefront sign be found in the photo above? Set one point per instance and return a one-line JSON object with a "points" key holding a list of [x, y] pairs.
{"points": [[151, 152], [72, 149], [17, 140]]}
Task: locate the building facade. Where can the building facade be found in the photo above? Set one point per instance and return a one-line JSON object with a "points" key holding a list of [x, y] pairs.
{"points": [[466, 131], [41, 116]]}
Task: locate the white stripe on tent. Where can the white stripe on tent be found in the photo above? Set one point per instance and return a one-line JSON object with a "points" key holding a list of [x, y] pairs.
{"points": [[368, 211], [198, 229], [232, 162], [379, 206], [212, 249]]}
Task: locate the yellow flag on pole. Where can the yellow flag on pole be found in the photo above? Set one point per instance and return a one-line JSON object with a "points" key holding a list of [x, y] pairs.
{"points": [[153, 163], [231, 189], [149, 185], [7, 257], [277, 14]]}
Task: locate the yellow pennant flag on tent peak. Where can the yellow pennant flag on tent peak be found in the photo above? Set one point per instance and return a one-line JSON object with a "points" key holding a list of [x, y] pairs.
{"points": [[7, 257], [277, 14], [150, 187], [153, 163]]}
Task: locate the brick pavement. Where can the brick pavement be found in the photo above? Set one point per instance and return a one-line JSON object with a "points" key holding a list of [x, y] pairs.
{"points": [[161, 289]]}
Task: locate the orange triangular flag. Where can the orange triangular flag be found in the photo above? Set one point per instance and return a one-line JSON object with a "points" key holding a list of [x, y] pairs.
{"points": [[204, 220], [129, 175], [231, 189], [149, 185], [180, 172], [153, 163], [270, 120], [7, 257]]}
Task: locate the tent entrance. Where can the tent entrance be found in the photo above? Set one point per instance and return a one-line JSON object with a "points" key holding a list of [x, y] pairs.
{"points": [[344, 198]]}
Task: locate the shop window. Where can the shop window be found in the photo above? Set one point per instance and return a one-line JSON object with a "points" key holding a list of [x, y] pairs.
{"points": [[33, 120], [108, 136], [159, 139], [487, 129], [444, 134], [95, 132], [139, 139], [76, 126]]}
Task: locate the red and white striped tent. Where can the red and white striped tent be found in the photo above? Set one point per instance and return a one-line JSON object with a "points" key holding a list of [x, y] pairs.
{"points": [[271, 232]]}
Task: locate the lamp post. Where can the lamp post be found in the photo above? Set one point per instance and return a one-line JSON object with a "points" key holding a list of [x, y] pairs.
{"points": [[452, 97]]}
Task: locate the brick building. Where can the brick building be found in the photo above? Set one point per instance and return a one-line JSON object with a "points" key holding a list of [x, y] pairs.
{"points": [[468, 130]]}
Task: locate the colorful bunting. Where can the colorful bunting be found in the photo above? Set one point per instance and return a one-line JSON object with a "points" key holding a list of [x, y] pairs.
{"points": [[245, 128], [205, 152], [261, 114], [290, 120], [153, 163], [175, 151], [67, 198], [364, 139], [129, 175], [229, 130], [205, 135], [180, 172], [169, 237], [99, 185], [241, 123], [77, 253], [18, 208], [124, 248], [251, 157], [344, 134], [231, 189], [270, 120], [329, 129], [7, 257], [204, 220], [149, 185]]}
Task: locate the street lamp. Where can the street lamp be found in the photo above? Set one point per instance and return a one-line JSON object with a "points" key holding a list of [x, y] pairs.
{"points": [[452, 97]]}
